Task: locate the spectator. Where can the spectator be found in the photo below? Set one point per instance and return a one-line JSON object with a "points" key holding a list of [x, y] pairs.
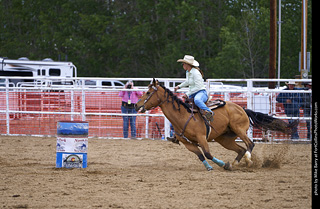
{"points": [[291, 103], [306, 105], [129, 98]]}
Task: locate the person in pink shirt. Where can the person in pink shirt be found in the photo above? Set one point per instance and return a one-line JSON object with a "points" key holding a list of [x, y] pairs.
{"points": [[129, 98]]}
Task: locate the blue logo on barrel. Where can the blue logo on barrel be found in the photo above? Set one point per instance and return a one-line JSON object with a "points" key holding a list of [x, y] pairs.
{"points": [[72, 128]]}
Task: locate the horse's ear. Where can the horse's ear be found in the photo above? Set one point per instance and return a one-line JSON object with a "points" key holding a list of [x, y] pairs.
{"points": [[154, 82]]}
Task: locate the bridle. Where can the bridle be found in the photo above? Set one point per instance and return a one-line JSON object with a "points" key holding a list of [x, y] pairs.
{"points": [[149, 97]]}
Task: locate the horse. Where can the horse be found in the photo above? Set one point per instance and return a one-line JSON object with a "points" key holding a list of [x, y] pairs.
{"points": [[230, 122]]}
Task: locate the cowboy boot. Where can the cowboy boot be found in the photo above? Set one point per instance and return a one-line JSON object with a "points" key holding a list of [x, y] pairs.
{"points": [[207, 115]]}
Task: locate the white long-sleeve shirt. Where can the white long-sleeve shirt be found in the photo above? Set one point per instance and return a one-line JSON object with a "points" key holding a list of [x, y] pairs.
{"points": [[194, 80]]}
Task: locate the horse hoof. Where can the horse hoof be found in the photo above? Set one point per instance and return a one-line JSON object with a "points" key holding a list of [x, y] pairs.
{"points": [[210, 169], [235, 163], [247, 157], [249, 163], [227, 166]]}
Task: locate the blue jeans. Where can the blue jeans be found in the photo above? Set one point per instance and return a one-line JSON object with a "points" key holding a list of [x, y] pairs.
{"points": [[294, 134], [200, 98], [127, 119]]}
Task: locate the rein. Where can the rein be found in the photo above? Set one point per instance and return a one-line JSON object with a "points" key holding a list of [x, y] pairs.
{"points": [[185, 125]]}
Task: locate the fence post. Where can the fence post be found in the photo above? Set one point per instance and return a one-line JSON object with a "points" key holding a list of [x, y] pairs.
{"points": [[147, 125], [166, 121], [83, 95], [7, 106], [72, 104], [249, 103], [208, 86], [249, 92]]}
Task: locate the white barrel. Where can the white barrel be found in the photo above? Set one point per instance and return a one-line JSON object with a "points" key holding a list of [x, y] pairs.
{"points": [[72, 144]]}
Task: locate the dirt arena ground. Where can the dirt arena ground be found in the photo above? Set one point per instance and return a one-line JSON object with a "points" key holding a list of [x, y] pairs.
{"points": [[151, 174]]}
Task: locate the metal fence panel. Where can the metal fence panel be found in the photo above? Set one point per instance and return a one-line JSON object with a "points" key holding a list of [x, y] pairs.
{"points": [[35, 108]]}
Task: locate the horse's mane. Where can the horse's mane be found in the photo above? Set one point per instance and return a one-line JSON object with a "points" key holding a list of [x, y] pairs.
{"points": [[169, 93]]}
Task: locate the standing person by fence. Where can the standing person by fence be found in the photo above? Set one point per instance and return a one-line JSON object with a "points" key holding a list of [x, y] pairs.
{"points": [[129, 98], [291, 103]]}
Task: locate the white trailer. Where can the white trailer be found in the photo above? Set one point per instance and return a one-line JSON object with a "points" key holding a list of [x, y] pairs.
{"points": [[23, 67]]}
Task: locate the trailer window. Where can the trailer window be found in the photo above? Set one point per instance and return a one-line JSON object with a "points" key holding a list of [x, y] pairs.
{"points": [[54, 72], [89, 83], [41, 72], [106, 83], [116, 83], [16, 73]]}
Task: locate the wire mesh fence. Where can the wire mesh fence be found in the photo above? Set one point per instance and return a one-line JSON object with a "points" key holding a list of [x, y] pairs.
{"points": [[35, 110]]}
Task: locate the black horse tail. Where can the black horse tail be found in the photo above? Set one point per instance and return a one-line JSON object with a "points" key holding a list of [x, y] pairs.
{"points": [[266, 122]]}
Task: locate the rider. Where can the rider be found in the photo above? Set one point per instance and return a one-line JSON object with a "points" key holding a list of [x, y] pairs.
{"points": [[197, 90]]}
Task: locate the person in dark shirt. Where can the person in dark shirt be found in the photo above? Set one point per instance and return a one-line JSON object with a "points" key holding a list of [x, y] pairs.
{"points": [[291, 103]]}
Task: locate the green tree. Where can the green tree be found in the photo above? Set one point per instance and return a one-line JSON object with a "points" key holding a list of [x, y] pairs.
{"points": [[144, 38], [245, 48]]}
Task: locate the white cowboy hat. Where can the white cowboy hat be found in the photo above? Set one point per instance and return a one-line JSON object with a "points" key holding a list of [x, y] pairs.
{"points": [[307, 83], [291, 82], [189, 60]]}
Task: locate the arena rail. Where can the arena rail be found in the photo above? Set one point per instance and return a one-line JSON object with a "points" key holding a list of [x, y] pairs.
{"points": [[34, 108]]}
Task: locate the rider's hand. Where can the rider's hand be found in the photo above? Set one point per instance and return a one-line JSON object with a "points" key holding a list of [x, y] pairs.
{"points": [[176, 88]]}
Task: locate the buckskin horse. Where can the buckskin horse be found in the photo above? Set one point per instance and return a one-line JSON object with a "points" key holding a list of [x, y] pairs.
{"points": [[230, 121]]}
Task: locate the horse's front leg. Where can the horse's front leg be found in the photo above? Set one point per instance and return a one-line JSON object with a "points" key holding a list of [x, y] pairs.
{"points": [[205, 148], [193, 148]]}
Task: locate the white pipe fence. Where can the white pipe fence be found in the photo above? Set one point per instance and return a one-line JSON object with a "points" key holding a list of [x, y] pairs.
{"points": [[33, 108]]}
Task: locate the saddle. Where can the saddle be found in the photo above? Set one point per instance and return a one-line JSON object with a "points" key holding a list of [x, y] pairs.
{"points": [[194, 109], [212, 104]]}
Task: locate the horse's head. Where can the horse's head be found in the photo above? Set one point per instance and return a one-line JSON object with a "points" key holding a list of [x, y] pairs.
{"points": [[150, 99]]}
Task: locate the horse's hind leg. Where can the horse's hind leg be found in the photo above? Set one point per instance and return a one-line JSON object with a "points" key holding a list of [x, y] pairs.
{"points": [[228, 142], [239, 124], [249, 144]]}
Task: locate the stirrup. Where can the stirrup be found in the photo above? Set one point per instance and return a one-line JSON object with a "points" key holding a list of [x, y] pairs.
{"points": [[173, 139], [208, 115]]}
